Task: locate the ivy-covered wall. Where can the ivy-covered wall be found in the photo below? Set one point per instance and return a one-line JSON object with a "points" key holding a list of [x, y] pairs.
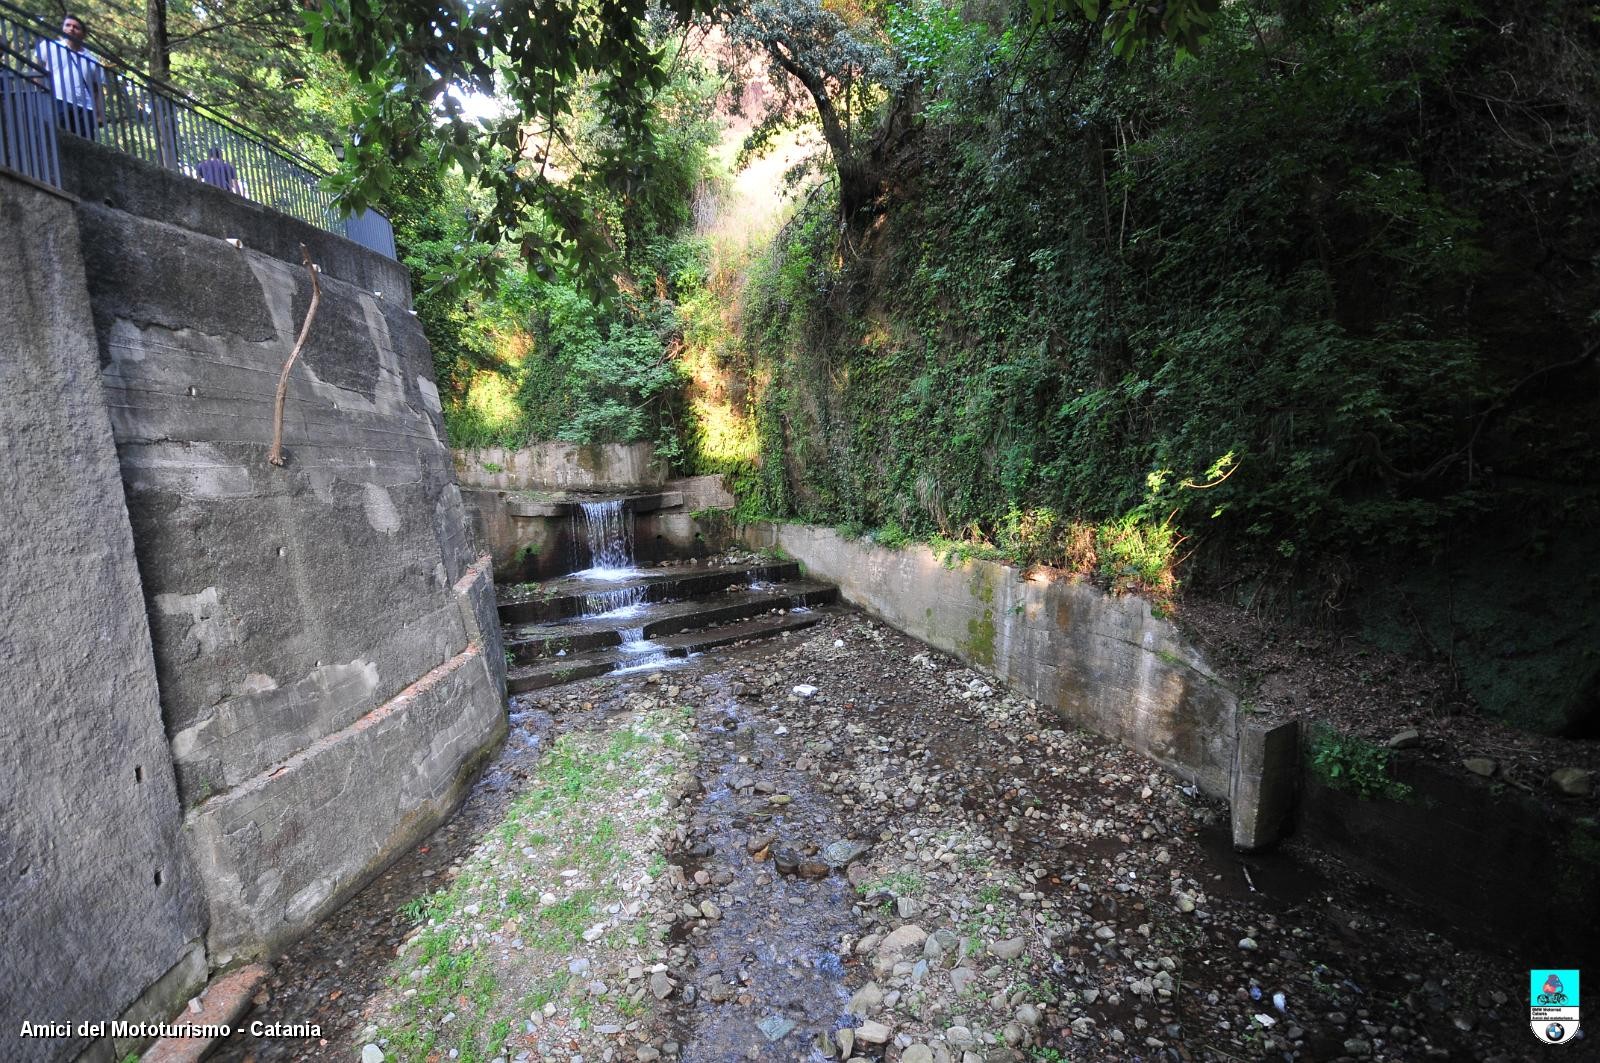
{"points": [[1307, 320]]}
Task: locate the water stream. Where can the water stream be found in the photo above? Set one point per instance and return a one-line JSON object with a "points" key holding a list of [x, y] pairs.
{"points": [[606, 530]]}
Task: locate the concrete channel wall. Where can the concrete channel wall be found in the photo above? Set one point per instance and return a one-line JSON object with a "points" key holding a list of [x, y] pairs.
{"points": [[1486, 858], [1105, 662], [99, 901], [259, 683], [529, 532]]}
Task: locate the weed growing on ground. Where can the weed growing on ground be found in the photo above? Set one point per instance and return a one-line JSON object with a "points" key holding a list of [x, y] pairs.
{"points": [[1353, 764]]}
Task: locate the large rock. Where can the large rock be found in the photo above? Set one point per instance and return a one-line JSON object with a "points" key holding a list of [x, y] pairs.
{"points": [[901, 943], [1573, 782]]}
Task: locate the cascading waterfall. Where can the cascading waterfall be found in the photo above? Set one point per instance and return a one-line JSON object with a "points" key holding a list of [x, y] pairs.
{"points": [[642, 652], [607, 530]]}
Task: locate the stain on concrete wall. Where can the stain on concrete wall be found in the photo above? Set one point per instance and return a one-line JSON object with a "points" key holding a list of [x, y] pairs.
{"points": [[97, 900]]}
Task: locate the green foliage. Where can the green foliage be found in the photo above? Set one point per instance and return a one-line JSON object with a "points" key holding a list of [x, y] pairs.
{"points": [[1353, 764], [551, 63], [1300, 249], [520, 357]]}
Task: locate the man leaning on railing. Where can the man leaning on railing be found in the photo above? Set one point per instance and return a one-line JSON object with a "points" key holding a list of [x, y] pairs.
{"points": [[77, 79]]}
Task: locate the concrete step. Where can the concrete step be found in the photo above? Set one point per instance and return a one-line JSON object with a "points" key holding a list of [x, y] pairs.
{"points": [[553, 671], [529, 642], [541, 603]]}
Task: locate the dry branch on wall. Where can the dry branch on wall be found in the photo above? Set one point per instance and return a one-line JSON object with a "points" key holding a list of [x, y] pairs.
{"points": [[275, 455]]}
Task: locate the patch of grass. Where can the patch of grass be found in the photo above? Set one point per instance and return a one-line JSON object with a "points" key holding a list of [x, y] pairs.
{"points": [[429, 906], [574, 788], [899, 883], [547, 991], [561, 925]]}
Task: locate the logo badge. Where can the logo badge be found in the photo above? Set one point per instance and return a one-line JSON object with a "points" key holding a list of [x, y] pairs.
{"points": [[1553, 1005]]}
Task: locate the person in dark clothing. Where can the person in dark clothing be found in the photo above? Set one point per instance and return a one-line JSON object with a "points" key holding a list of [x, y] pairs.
{"points": [[220, 172]]}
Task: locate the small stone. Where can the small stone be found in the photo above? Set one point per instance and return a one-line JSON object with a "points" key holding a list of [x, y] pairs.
{"points": [[1248, 944], [866, 1001], [847, 1041], [805, 690], [960, 978], [901, 942], [661, 985], [917, 1053], [872, 1033], [905, 907], [1573, 782], [841, 853], [371, 1054], [1185, 903], [1407, 739], [1028, 1015], [1478, 766], [1009, 949], [775, 1027], [1358, 1047], [647, 1054], [710, 911]]}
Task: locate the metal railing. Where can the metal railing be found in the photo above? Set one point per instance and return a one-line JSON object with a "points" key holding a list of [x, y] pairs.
{"points": [[27, 117], [43, 86]]}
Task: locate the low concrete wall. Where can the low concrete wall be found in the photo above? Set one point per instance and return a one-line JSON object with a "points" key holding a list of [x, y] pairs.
{"points": [[1488, 858], [534, 540], [561, 466], [521, 548], [99, 901], [1106, 663]]}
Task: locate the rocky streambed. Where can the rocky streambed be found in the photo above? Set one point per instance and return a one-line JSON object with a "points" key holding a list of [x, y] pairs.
{"points": [[841, 845]]}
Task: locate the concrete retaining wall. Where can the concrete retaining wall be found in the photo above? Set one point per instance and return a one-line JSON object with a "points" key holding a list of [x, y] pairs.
{"points": [[98, 900], [236, 690], [561, 466], [1488, 858], [109, 178], [1106, 663], [292, 608]]}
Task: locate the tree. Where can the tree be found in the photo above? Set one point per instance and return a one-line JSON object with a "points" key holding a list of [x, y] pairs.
{"points": [[417, 58], [843, 65]]}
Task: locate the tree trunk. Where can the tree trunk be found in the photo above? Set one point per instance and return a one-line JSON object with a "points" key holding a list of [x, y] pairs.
{"points": [[858, 186], [155, 28]]}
